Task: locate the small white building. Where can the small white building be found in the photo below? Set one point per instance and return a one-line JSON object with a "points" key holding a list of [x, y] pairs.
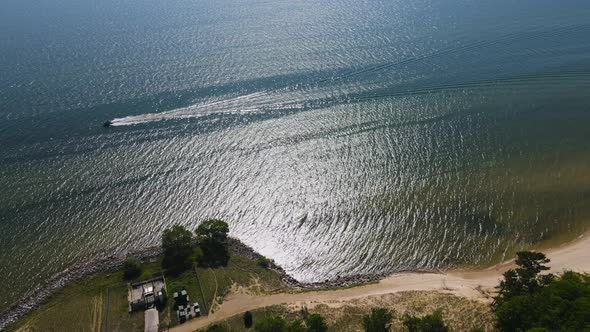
{"points": [[152, 320]]}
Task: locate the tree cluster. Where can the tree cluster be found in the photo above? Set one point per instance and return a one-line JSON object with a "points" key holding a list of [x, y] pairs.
{"points": [[526, 279], [209, 248], [530, 301]]}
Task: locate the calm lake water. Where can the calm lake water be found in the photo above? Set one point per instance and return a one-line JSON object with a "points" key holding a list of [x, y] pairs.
{"points": [[336, 137]]}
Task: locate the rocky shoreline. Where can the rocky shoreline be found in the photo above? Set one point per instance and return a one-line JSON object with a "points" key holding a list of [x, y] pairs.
{"points": [[106, 263], [241, 249]]}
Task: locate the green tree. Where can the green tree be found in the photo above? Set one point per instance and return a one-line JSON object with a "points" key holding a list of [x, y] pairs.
{"points": [[213, 230], [532, 261], [212, 236], [379, 320], [525, 279], [315, 323], [270, 324], [248, 319], [179, 249], [131, 268], [429, 323]]}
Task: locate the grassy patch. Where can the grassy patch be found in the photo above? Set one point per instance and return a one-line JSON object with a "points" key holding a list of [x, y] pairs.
{"points": [[78, 307], [459, 314], [242, 272], [187, 281], [236, 323]]}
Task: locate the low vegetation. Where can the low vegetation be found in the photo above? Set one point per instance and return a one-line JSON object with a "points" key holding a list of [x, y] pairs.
{"points": [[276, 321], [459, 314], [429, 323]]}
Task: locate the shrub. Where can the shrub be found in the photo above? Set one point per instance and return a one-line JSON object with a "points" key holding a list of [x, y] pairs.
{"points": [[263, 262], [217, 328], [131, 268], [433, 323], [379, 320], [270, 324], [315, 323], [304, 312], [248, 319], [429, 323], [412, 323]]}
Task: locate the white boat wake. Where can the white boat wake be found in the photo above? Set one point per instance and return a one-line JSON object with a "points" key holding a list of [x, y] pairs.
{"points": [[235, 105]]}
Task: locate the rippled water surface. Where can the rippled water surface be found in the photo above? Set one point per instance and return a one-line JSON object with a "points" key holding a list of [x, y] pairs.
{"points": [[336, 137]]}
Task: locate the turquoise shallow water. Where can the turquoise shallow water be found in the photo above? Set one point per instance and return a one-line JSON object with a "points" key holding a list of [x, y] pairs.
{"points": [[338, 137]]}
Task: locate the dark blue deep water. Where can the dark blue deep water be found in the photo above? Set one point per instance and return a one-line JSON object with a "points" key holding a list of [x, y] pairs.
{"points": [[335, 136]]}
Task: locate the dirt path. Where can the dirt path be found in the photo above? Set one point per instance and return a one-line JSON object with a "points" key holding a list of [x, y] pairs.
{"points": [[214, 303], [472, 284]]}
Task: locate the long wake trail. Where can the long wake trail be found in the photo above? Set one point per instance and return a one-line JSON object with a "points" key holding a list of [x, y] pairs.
{"points": [[273, 99]]}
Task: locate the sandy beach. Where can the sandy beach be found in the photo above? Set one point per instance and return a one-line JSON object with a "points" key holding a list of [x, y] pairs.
{"points": [[473, 284]]}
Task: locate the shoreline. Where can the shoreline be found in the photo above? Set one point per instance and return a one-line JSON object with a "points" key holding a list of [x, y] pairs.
{"points": [[105, 262], [241, 249], [475, 284], [471, 283]]}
